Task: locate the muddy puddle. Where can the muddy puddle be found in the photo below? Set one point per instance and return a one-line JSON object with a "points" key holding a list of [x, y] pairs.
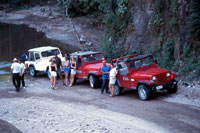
{"points": [[16, 40]]}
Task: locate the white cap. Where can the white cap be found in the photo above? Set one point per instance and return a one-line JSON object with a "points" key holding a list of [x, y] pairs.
{"points": [[15, 59]]}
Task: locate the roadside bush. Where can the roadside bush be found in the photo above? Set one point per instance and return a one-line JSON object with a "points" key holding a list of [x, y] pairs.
{"points": [[166, 60]]}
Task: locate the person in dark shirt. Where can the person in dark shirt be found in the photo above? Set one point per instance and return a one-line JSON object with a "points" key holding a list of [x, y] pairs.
{"points": [[105, 69], [59, 65], [52, 70]]}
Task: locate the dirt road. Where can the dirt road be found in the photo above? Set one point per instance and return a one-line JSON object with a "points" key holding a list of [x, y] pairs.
{"points": [[38, 108]]}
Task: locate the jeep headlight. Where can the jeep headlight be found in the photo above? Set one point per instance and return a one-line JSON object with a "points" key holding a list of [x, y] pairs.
{"points": [[168, 74], [154, 78]]}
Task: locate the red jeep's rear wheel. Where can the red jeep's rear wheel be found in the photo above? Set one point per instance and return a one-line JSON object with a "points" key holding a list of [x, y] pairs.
{"points": [[144, 92], [118, 90]]}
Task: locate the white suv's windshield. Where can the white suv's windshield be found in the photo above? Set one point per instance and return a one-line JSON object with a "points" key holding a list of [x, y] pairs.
{"points": [[50, 53], [93, 57], [141, 62]]}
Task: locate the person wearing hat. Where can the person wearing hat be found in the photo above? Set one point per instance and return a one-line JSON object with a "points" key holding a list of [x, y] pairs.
{"points": [[15, 70]]}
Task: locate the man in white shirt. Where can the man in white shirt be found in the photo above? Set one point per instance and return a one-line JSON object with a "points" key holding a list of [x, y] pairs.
{"points": [[22, 72], [15, 70]]}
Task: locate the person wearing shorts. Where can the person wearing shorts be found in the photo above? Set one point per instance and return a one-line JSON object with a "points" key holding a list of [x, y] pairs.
{"points": [[67, 70], [53, 71], [112, 79], [73, 71]]}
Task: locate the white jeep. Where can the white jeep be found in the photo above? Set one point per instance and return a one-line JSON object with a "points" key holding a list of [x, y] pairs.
{"points": [[38, 59]]}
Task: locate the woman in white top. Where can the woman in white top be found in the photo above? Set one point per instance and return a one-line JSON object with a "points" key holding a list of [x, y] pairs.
{"points": [[112, 79]]}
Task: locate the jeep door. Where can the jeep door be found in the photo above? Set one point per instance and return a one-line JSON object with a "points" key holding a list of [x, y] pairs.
{"points": [[123, 75], [80, 68], [38, 66]]}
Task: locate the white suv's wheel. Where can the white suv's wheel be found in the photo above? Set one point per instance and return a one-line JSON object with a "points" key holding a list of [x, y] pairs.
{"points": [[32, 71]]}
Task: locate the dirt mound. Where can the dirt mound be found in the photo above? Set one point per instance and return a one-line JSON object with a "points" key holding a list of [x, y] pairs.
{"points": [[6, 127]]}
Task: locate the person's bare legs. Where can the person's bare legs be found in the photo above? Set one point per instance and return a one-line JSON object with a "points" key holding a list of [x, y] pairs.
{"points": [[110, 88], [61, 77], [112, 91], [52, 81], [72, 80], [66, 78]]}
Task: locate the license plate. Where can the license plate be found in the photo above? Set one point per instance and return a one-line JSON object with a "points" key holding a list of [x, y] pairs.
{"points": [[159, 87]]}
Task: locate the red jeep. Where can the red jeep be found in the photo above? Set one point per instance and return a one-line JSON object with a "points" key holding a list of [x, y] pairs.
{"points": [[89, 65], [140, 72]]}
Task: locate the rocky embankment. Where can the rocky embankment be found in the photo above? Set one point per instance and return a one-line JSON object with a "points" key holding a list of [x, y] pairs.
{"points": [[45, 19], [188, 93]]}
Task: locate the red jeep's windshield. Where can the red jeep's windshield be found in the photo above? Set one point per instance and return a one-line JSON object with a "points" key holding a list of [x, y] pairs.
{"points": [[141, 62], [93, 57]]}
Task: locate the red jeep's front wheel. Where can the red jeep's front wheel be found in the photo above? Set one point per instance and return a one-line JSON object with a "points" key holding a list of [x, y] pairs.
{"points": [[144, 92], [93, 81]]}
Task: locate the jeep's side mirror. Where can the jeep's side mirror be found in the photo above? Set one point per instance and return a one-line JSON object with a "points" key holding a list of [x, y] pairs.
{"points": [[156, 61]]}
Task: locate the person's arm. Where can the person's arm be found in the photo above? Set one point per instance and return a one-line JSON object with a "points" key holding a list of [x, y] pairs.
{"points": [[24, 68], [11, 68], [56, 67]]}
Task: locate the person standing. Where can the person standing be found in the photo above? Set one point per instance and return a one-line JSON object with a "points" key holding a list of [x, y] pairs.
{"points": [[73, 71], [105, 69], [53, 71], [67, 70], [112, 79], [59, 65], [15, 70], [22, 72]]}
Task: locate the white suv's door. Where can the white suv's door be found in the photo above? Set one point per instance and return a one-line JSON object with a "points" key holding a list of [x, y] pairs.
{"points": [[38, 65]]}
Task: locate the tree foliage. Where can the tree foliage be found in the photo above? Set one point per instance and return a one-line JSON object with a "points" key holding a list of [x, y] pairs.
{"points": [[194, 20]]}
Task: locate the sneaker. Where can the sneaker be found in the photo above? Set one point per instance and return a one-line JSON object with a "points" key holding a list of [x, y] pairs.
{"points": [[24, 87]]}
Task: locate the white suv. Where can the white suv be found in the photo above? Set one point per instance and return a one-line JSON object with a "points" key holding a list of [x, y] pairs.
{"points": [[38, 59]]}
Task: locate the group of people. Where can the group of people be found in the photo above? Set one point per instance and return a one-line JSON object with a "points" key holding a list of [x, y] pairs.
{"points": [[109, 73], [69, 70], [18, 70]]}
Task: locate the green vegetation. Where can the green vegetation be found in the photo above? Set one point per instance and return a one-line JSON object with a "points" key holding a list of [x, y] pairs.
{"points": [[115, 16]]}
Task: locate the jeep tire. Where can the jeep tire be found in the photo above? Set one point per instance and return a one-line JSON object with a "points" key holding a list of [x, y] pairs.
{"points": [[118, 90], [93, 81], [144, 92], [172, 89], [32, 71]]}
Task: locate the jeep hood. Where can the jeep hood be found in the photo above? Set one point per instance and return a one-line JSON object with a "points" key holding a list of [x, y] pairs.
{"points": [[152, 71]]}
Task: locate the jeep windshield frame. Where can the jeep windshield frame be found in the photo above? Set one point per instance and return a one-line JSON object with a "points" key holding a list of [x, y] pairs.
{"points": [[49, 53], [140, 61], [93, 57]]}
